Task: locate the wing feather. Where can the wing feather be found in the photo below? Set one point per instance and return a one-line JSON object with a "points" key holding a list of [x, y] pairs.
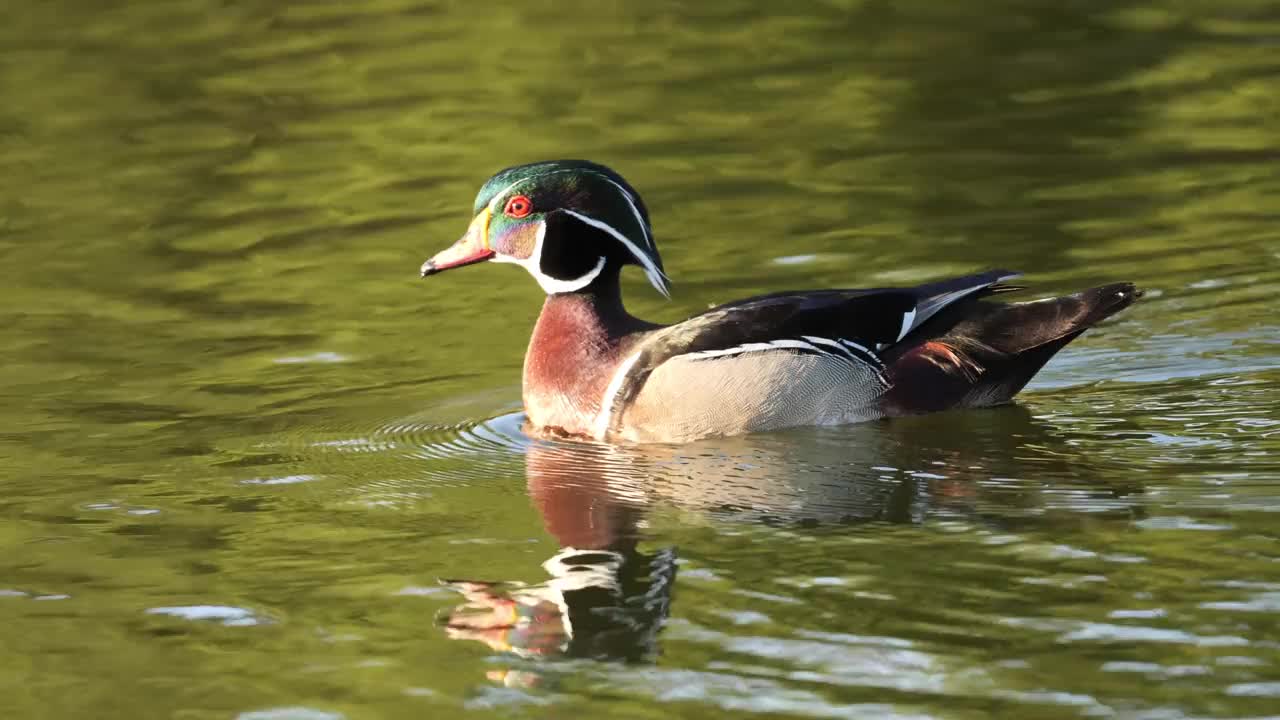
{"points": [[843, 324]]}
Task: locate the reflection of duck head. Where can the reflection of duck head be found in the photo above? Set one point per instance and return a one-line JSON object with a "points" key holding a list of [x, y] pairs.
{"points": [[607, 599]]}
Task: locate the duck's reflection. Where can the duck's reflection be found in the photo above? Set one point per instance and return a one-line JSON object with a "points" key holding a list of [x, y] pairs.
{"points": [[607, 596]]}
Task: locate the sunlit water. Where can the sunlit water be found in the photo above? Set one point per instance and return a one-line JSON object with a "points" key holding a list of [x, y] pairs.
{"points": [[255, 469]]}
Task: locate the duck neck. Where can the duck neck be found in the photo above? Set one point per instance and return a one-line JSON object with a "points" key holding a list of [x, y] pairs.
{"points": [[576, 346]]}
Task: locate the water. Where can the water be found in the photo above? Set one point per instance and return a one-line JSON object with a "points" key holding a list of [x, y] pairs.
{"points": [[254, 468]]}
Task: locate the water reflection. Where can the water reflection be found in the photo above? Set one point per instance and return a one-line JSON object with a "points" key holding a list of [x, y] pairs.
{"points": [[610, 586], [605, 599]]}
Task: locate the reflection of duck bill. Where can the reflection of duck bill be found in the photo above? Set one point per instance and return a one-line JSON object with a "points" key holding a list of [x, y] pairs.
{"points": [[598, 603], [508, 617]]}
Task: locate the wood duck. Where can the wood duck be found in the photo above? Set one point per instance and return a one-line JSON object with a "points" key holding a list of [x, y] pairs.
{"points": [[818, 357]]}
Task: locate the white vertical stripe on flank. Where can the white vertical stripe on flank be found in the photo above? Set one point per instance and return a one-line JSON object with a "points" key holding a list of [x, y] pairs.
{"points": [[601, 427]]}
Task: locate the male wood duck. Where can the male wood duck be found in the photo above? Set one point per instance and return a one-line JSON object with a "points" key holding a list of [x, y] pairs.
{"points": [[817, 357]]}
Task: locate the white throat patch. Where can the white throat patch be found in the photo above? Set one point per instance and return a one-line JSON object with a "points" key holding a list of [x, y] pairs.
{"points": [[533, 264], [657, 278]]}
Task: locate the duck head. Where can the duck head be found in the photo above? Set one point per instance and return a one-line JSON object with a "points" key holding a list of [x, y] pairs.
{"points": [[570, 223]]}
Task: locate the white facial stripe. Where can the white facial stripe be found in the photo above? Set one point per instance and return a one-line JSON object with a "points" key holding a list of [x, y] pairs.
{"points": [[533, 264], [626, 195], [493, 203], [656, 276], [644, 227], [603, 418]]}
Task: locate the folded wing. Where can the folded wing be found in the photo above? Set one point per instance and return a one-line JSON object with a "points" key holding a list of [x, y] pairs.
{"points": [[800, 358]]}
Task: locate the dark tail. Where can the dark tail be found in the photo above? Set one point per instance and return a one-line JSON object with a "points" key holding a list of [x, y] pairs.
{"points": [[979, 353]]}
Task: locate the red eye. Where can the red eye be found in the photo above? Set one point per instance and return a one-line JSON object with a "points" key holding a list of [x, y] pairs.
{"points": [[518, 206]]}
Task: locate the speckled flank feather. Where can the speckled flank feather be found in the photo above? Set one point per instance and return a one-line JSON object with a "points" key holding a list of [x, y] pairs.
{"points": [[771, 362], [686, 398]]}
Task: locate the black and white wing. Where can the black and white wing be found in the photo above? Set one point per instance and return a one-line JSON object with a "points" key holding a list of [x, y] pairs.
{"points": [[800, 358]]}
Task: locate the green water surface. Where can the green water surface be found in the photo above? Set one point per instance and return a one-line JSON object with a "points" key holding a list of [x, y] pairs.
{"points": [[242, 445]]}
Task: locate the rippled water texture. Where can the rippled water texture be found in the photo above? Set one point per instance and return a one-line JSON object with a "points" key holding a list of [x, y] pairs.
{"points": [[255, 469]]}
